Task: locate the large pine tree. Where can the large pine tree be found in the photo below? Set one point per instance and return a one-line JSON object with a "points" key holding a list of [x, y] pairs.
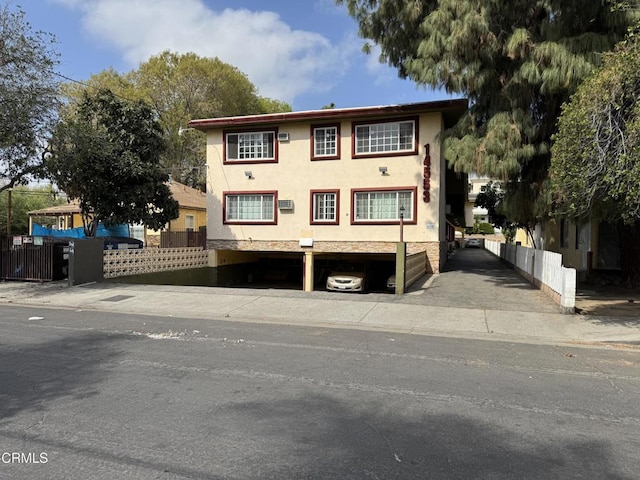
{"points": [[517, 61]]}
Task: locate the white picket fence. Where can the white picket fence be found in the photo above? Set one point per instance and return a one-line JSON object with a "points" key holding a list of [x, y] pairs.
{"points": [[542, 268]]}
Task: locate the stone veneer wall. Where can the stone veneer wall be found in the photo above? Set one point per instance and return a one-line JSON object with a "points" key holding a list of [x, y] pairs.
{"points": [[433, 249]]}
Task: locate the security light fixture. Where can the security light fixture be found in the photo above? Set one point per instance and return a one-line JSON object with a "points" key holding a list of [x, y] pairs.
{"points": [[248, 174], [383, 170]]}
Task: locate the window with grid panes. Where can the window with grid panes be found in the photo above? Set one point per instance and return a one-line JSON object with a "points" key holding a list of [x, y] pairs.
{"points": [[250, 207], [325, 141], [250, 146], [385, 137], [383, 206], [324, 207]]}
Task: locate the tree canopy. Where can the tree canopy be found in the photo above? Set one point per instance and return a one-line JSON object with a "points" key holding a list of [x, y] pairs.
{"points": [[595, 163], [106, 154], [24, 199], [516, 61], [180, 88], [28, 96]]}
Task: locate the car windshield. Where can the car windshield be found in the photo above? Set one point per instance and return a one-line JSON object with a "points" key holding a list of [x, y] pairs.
{"points": [[349, 267]]}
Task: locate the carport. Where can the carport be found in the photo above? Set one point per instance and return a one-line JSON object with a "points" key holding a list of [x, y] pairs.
{"points": [[305, 270], [378, 267]]}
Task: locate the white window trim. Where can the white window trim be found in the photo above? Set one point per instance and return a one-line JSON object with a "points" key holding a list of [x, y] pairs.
{"points": [[409, 214], [359, 150], [188, 218], [336, 139], [334, 219], [263, 195], [248, 158]]}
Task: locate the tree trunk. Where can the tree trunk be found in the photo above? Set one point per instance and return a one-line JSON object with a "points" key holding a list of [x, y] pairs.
{"points": [[629, 241]]}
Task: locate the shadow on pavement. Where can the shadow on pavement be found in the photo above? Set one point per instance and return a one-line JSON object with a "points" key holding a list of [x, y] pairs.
{"points": [[315, 436], [33, 375]]}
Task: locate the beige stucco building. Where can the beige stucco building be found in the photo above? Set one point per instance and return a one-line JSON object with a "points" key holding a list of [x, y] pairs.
{"points": [[314, 187]]}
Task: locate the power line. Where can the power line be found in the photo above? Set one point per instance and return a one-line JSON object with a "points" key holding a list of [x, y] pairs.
{"points": [[85, 84]]}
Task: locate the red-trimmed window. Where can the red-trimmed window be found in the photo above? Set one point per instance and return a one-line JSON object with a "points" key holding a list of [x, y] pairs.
{"points": [[325, 207], [325, 142], [383, 206], [385, 138], [250, 207], [251, 147]]}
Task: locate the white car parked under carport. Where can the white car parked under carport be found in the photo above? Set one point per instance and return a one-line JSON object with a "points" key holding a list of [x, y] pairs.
{"points": [[348, 278]]}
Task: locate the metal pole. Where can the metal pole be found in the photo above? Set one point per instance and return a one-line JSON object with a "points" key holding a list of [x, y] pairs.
{"points": [[9, 212], [401, 223]]}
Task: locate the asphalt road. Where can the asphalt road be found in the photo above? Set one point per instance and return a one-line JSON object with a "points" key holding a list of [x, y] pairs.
{"points": [[105, 396]]}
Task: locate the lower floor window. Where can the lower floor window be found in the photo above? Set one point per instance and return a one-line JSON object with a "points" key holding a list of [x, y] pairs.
{"points": [[324, 207], [252, 207], [374, 206]]}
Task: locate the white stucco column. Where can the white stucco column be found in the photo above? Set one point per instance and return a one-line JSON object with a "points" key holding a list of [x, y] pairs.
{"points": [[308, 272]]}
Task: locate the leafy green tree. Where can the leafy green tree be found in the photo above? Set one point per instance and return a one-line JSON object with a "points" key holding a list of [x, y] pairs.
{"points": [[492, 199], [28, 96], [107, 156], [24, 199], [595, 163], [180, 88], [517, 62]]}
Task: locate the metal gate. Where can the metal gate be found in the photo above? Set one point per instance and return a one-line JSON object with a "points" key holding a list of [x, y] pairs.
{"points": [[32, 258]]}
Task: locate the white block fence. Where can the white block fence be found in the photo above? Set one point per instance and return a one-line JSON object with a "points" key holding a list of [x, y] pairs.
{"points": [[543, 269], [118, 263]]}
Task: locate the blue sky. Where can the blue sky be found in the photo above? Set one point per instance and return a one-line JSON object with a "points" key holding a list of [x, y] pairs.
{"points": [[305, 52]]}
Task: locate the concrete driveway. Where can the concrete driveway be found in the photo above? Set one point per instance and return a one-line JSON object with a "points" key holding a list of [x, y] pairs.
{"points": [[474, 278]]}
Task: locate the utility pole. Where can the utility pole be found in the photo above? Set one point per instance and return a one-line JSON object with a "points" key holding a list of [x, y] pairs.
{"points": [[9, 212]]}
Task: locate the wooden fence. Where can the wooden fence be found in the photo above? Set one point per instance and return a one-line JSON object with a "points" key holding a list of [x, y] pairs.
{"points": [[188, 238]]}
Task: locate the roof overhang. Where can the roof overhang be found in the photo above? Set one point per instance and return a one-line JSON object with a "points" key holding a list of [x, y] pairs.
{"points": [[451, 110]]}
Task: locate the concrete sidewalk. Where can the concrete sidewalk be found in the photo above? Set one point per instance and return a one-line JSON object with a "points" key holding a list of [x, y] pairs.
{"points": [[379, 312]]}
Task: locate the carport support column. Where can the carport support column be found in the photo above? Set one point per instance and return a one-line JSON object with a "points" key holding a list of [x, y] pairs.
{"points": [[308, 272], [401, 264]]}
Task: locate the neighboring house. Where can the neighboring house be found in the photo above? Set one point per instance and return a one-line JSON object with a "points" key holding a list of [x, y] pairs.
{"points": [[584, 246], [315, 188], [193, 215], [193, 212], [59, 217]]}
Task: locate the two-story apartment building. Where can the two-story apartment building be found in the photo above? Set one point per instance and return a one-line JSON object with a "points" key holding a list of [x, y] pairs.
{"points": [[318, 187]]}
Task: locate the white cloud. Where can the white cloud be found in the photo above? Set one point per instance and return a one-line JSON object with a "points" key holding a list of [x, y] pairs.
{"points": [[380, 70], [282, 62]]}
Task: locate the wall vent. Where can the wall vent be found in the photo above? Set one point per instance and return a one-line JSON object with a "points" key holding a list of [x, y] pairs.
{"points": [[283, 136]]}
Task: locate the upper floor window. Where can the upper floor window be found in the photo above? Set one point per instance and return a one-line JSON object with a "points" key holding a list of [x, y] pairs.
{"points": [[325, 142], [384, 206], [324, 207], [250, 146], [255, 207], [385, 138]]}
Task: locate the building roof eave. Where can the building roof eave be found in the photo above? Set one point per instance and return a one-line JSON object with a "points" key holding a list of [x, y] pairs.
{"points": [[452, 110]]}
